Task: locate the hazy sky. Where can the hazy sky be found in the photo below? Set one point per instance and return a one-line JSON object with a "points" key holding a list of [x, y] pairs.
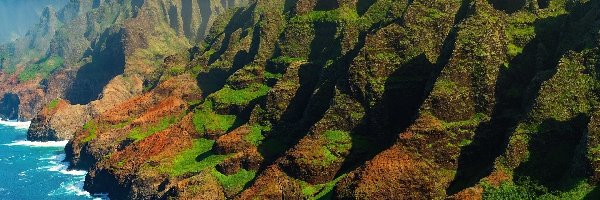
{"points": [[17, 16]]}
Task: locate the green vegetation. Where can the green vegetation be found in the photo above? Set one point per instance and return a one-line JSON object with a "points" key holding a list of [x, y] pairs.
{"points": [[53, 104], [139, 133], [520, 31], [122, 124], [206, 120], [514, 50], [42, 68], [377, 13], [287, 60], [569, 92], [465, 142], [507, 191], [196, 159], [367, 70], [523, 25], [91, 128], [235, 182], [163, 44], [256, 137], [197, 69], [339, 15], [338, 143], [529, 190], [320, 191], [474, 121], [175, 71], [229, 96], [269, 75], [446, 86]]}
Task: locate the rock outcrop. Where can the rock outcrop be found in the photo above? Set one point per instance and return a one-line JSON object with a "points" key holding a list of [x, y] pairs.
{"points": [[58, 121]]}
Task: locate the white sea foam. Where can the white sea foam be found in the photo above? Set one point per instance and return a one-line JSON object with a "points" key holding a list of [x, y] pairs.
{"points": [[57, 165], [38, 144], [101, 197], [54, 157], [15, 124], [76, 188], [73, 188], [73, 172]]}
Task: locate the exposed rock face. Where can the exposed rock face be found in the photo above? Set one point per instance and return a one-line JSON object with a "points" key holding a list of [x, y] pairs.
{"points": [[345, 99], [58, 121], [151, 116]]}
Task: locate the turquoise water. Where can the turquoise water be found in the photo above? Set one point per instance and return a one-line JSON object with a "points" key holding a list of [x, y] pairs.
{"points": [[34, 170]]}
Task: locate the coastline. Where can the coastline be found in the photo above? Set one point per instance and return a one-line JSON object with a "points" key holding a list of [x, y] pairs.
{"points": [[53, 164]]}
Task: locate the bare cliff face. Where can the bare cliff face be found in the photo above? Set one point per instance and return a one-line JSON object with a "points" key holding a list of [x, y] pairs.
{"points": [[320, 99], [58, 121]]}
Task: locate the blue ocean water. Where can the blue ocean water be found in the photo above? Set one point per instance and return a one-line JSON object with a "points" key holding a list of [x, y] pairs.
{"points": [[34, 170]]}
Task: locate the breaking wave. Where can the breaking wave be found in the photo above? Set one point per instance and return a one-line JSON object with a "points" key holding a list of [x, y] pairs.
{"points": [[16, 124], [38, 144]]}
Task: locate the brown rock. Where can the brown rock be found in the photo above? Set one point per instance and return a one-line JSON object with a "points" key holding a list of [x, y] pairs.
{"points": [[393, 174], [59, 122], [233, 142], [273, 184]]}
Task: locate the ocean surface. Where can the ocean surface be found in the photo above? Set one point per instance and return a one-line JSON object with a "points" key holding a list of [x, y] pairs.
{"points": [[34, 170]]}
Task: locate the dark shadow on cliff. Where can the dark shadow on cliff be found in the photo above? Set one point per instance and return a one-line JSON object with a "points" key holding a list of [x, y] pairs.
{"points": [[448, 45], [543, 3], [593, 195], [204, 155], [517, 87], [290, 6], [213, 80], [309, 77], [231, 27], [326, 5], [554, 160], [325, 44], [362, 6], [187, 9], [9, 107], [103, 182], [508, 6], [312, 99], [404, 94], [205, 14], [406, 89], [108, 61]]}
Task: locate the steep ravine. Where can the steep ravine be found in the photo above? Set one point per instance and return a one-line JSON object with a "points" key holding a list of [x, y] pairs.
{"points": [[329, 99]]}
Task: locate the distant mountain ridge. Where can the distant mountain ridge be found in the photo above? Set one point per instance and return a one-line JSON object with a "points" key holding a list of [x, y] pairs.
{"points": [[18, 16]]}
